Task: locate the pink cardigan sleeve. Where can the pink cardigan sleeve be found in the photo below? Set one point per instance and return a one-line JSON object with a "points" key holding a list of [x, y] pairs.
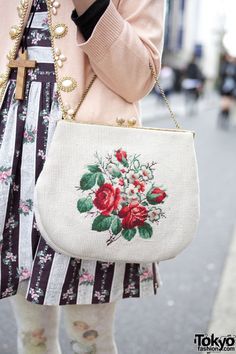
{"points": [[123, 43]]}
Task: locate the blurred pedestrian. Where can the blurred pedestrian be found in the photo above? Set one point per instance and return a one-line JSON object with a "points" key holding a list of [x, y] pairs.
{"points": [[192, 85], [166, 80], [227, 89]]}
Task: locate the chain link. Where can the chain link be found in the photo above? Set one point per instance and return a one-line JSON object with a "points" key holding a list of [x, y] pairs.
{"points": [[85, 94], [173, 117]]}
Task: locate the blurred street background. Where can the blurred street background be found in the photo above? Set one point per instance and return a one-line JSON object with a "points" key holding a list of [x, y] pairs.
{"points": [[199, 286]]}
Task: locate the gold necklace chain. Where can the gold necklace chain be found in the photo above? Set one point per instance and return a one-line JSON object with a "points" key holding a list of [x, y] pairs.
{"points": [[22, 9], [64, 110], [85, 94]]}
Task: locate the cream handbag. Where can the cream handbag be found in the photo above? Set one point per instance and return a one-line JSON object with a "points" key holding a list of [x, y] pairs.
{"points": [[118, 193]]}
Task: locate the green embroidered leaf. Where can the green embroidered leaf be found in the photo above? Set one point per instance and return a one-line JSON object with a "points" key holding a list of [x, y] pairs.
{"points": [[88, 181], [128, 234], [144, 203], [124, 162], [102, 223], [84, 204], [136, 165], [100, 179], [145, 231], [94, 168], [116, 226], [116, 174]]}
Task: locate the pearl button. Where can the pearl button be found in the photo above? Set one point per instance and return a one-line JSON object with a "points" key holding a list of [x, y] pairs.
{"points": [[67, 84], [62, 57], [60, 30], [59, 57], [14, 32], [56, 4], [71, 112], [57, 51]]}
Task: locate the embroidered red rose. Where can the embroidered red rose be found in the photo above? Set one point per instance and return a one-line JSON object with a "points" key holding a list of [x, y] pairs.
{"points": [[133, 215], [107, 198], [156, 195], [121, 155]]}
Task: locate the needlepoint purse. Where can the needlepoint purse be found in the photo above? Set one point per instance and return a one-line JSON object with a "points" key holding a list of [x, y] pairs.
{"points": [[118, 193]]}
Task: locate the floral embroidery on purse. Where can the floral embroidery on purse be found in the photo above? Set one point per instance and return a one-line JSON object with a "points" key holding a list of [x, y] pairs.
{"points": [[121, 196]]}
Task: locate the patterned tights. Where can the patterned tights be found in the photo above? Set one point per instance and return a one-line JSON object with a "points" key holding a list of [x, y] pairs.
{"points": [[89, 327]]}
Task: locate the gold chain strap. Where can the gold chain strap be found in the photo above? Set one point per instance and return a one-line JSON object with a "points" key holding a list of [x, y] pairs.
{"points": [[173, 117], [85, 94], [158, 85]]}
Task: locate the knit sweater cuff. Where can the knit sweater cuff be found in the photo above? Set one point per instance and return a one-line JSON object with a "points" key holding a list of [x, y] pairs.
{"points": [[105, 33]]}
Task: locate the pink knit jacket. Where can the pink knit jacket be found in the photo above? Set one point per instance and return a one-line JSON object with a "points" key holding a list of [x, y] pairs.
{"points": [[128, 37]]}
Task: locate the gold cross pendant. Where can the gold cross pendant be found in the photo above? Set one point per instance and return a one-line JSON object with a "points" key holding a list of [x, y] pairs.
{"points": [[21, 64]]}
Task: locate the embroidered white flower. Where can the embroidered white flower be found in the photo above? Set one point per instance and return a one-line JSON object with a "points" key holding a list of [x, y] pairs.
{"points": [[10, 256], [146, 173], [132, 191], [42, 154], [154, 214], [132, 176]]}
